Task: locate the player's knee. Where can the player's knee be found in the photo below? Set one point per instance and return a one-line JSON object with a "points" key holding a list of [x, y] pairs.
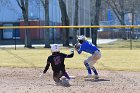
{"points": [[98, 56], [91, 66], [85, 62]]}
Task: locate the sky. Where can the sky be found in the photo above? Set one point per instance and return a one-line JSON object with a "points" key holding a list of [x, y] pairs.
{"points": [[11, 12]]}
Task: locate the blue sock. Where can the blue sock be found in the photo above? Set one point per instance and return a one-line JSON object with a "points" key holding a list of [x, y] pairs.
{"points": [[88, 68], [94, 70]]}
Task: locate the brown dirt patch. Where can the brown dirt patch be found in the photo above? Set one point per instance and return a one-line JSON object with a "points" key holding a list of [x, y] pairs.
{"points": [[26, 80]]}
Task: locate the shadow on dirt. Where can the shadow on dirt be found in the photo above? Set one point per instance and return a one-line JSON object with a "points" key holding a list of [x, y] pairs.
{"points": [[96, 80]]}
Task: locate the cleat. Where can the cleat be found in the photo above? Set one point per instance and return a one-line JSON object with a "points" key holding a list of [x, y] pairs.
{"points": [[65, 82], [58, 83], [96, 77], [88, 76]]}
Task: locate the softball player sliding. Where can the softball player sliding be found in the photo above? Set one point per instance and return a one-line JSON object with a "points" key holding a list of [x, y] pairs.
{"points": [[88, 47], [57, 63]]}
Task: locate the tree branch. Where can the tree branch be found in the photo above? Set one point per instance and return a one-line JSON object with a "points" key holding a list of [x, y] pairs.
{"points": [[114, 10], [43, 3], [19, 4]]}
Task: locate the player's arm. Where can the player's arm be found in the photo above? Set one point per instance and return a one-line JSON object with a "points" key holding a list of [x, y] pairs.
{"points": [[79, 51], [47, 67], [69, 55], [78, 48]]}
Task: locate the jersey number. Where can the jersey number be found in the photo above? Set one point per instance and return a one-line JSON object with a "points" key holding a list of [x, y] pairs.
{"points": [[57, 60]]}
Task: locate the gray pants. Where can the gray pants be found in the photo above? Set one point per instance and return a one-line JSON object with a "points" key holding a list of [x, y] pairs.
{"points": [[93, 59]]}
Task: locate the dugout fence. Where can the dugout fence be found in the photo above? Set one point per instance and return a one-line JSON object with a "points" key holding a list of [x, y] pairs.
{"points": [[108, 37]]}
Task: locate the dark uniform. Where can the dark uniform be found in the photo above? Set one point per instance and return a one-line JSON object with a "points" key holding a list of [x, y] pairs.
{"points": [[57, 63]]}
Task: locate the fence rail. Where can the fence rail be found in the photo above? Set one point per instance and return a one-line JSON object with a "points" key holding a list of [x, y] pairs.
{"points": [[101, 26]]}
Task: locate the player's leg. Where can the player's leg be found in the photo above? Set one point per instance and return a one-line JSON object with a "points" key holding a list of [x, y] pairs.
{"points": [[91, 63], [87, 67], [66, 75], [94, 69], [65, 81], [95, 57], [57, 76]]}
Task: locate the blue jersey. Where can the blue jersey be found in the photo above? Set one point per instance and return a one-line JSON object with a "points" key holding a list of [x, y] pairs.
{"points": [[87, 47]]}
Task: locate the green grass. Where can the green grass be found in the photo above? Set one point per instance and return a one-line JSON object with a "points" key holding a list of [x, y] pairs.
{"points": [[121, 44], [111, 59]]}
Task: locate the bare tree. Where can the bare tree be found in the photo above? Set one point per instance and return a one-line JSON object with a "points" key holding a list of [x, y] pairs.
{"points": [[121, 8], [65, 22], [45, 4], [95, 13], [118, 8], [76, 20], [23, 4]]}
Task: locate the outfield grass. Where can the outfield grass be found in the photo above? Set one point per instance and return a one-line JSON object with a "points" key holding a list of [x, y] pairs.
{"points": [[121, 44], [111, 59]]}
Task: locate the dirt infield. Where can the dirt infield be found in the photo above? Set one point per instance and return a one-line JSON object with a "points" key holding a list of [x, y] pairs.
{"points": [[26, 80]]}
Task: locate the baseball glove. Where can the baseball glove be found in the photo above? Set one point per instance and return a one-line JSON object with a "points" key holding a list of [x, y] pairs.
{"points": [[77, 46]]}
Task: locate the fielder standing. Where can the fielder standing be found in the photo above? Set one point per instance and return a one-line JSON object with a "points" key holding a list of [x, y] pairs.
{"points": [[93, 50]]}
